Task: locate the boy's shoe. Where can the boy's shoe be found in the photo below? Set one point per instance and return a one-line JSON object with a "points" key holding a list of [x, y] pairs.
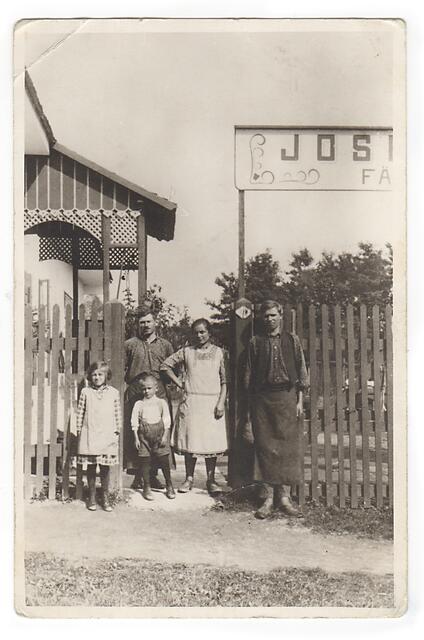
{"points": [[186, 486], [155, 483], [147, 494], [213, 488], [170, 493]]}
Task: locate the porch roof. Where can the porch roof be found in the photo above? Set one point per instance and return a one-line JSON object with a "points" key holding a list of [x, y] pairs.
{"points": [[64, 186]]}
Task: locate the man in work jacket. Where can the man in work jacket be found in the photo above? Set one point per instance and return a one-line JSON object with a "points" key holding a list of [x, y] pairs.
{"points": [[275, 377], [144, 353]]}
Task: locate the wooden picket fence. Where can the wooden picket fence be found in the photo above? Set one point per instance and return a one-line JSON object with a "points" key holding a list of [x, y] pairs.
{"points": [[348, 421], [55, 363]]}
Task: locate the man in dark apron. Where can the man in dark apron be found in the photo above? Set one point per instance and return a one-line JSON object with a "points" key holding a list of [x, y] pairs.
{"points": [[275, 378], [144, 353]]}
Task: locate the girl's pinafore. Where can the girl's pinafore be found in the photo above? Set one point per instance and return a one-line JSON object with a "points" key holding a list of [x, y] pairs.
{"points": [[98, 423]]}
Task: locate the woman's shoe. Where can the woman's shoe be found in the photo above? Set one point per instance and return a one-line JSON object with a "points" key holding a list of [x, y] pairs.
{"points": [[92, 506], [186, 486], [213, 487], [170, 493]]}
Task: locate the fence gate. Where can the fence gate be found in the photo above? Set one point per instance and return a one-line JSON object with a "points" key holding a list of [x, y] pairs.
{"points": [[58, 351], [348, 410]]}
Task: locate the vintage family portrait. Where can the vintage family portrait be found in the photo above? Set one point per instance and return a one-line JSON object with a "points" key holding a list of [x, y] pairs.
{"points": [[210, 343]]}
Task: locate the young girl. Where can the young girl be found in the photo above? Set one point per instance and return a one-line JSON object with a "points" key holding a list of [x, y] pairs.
{"points": [[98, 429], [150, 423]]}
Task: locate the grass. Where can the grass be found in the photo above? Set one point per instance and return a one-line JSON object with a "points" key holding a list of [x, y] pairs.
{"points": [[374, 523], [53, 581], [116, 496]]}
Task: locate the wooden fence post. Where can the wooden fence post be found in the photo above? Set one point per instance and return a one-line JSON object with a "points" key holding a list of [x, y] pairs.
{"points": [[240, 459], [54, 373], [389, 369], [67, 403], [114, 345], [94, 332], [377, 405], [28, 402], [80, 376], [352, 406], [327, 406], [313, 401], [41, 379], [365, 421], [338, 354], [301, 490]]}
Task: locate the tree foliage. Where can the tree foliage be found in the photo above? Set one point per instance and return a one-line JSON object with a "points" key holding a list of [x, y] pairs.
{"points": [[365, 276], [172, 322]]}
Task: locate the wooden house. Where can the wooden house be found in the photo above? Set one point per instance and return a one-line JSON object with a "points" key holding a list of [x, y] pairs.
{"points": [[81, 220]]}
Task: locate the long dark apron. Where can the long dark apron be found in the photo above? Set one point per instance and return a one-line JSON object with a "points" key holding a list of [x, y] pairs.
{"points": [[277, 437]]}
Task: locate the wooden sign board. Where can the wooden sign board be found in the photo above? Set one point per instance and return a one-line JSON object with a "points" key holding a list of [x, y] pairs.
{"points": [[313, 158]]}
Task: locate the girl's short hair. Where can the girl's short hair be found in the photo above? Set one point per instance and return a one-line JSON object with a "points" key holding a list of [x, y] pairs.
{"points": [[100, 364], [201, 321]]}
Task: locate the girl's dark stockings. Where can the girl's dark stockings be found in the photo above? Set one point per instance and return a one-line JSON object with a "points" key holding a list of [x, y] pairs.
{"points": [[190, 464], [210, 468]]}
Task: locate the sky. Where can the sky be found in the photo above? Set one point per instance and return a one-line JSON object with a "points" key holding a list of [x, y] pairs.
{"points": [[159, 109]]}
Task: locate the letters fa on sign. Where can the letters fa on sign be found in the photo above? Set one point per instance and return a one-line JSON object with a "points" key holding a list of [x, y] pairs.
{"points": [[314, 159]]}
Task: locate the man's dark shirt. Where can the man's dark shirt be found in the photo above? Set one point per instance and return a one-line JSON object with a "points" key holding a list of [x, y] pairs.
{"points": [[145, 356], [265, 366], [277, 373]]}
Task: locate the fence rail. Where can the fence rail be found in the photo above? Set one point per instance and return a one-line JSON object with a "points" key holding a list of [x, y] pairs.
{"points": [[347, 439]]}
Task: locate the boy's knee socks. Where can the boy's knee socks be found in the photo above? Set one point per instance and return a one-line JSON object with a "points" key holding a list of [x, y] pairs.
{"points": [[145, 471], [163, 462]]}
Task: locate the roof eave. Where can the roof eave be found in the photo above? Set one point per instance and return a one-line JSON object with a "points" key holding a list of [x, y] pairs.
{"points": [[32, 94]]}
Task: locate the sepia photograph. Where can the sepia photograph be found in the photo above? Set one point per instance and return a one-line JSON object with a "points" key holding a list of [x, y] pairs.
{"points": [[210, 317]]}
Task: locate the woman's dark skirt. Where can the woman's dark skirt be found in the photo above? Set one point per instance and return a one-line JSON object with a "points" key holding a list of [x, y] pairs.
{"points": [[276, 431]]}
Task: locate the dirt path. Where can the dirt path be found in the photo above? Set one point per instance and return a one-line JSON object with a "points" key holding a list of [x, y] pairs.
{"points": [[196, 536]]}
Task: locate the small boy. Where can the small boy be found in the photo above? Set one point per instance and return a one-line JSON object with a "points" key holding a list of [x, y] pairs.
{"points": [[150, 423]]}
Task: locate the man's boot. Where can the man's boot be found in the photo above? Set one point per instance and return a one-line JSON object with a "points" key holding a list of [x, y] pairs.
{"points": [[266, 509], [283, 502]]}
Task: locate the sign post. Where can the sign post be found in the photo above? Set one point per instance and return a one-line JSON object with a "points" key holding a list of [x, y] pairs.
{"points": [[241, 276]]}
